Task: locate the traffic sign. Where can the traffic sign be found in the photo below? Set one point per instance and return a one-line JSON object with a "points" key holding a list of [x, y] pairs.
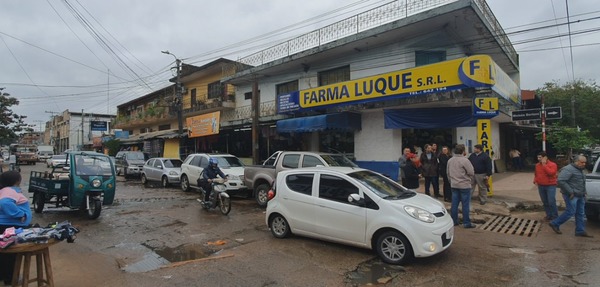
{"points": [[485, 107], [552, 113]]}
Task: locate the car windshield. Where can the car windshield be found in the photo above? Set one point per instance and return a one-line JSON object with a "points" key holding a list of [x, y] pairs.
{"points": [[93, 165], [170, 163], [338, 160], [136, 155], [381, 185], [229, 161]]}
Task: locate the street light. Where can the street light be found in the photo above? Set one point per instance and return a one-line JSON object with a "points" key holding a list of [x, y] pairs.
{"points": [[177, 92]]}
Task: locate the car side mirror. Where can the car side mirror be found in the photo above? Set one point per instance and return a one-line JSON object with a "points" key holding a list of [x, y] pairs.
{"points": [[356, 199]]}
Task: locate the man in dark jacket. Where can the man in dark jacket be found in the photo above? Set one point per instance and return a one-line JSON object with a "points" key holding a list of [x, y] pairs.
{"points": [[571, 181], [429, 168], [482, 163], [208, 174]]}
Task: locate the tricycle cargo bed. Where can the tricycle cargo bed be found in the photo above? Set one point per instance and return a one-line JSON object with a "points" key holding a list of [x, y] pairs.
{"points": [[54, 184]]}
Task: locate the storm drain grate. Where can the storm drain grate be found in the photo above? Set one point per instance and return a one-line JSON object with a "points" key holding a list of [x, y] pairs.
{"points": [[511, 225]]}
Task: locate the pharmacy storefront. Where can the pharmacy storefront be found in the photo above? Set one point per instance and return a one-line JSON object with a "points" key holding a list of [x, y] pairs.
{"points": [[459, 101]]}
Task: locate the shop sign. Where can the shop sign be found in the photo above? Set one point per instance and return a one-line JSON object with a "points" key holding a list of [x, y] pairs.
{"points": [[484, 137], [474, 71], [99, 125], [203, 125], [485, 107]]}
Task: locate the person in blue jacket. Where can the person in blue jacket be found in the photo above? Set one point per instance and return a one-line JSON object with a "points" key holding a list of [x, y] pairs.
{"points": [[208, 174], [14, 212]]}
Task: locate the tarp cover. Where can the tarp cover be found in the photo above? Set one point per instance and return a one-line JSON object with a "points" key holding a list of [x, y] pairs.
{"points": [[429, 118], [338, 121]]}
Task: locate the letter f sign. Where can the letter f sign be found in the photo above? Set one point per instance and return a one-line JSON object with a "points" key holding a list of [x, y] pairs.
{"points": [[474, 65]]}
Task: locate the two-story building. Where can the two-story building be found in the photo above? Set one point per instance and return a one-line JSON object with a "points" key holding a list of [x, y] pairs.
{"points": [[77, 131], [403, 74]]}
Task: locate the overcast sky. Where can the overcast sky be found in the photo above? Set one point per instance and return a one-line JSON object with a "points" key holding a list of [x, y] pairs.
{"points": [[51, 62]]}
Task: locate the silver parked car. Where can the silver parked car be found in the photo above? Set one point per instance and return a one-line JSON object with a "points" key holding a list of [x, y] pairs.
{"points": [[165, 170]]}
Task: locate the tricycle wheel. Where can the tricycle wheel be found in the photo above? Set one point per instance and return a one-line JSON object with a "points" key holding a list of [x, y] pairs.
{"points": [[95, 208], [38, 202]]}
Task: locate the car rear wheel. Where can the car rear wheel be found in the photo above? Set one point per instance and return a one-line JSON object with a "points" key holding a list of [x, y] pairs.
{"points": [[144, 179], [393, 248], [279, 226], [185, 183]]}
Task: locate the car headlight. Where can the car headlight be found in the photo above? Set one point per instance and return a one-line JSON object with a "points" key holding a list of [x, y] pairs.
{"points": [[173, 173], [96, 183], [420, 214]]}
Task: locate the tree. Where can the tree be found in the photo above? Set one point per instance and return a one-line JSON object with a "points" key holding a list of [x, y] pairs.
{"points": [[10, 123], [585, 97], [566, 139]]}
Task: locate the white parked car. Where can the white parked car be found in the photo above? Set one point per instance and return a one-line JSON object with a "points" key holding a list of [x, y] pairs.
{"points": [[229, 164], [359, 207], [165, 170]]}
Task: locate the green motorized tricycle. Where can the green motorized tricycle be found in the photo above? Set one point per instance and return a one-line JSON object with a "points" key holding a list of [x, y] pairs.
{"points": [[85, 181]]}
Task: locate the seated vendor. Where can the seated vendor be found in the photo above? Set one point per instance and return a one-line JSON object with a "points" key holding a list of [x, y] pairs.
{"points": [[14, 212]]}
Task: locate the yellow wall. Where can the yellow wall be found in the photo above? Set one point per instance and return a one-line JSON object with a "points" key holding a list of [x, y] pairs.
{"points": [[171, 148], [201, 86]]}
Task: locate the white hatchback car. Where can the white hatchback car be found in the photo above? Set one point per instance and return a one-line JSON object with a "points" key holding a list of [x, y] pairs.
{"points": [[359, 207]]}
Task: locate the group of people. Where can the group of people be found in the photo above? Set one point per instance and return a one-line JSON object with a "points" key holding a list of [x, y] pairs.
{"points": [[461, 176], [571, 180], [14, 212]]}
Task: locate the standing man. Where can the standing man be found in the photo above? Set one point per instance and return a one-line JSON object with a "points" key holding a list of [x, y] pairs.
{"points": [[482, 163], [443, 166], [571, 181], [545, 179], [460, 172], [402, 162], [429, 168]]}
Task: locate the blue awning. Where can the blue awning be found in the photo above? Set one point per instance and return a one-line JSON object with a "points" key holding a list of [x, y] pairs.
{"points": [[429, 118], [339, 121]]}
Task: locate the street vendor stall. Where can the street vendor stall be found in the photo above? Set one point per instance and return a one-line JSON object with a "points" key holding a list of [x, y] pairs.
{"points": [[26, 243]]}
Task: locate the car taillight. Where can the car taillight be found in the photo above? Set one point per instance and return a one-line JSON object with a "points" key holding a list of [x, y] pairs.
{"points": [[270, 194]]}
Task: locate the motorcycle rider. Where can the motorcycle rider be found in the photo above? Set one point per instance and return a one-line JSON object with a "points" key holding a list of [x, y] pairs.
{"points": [[208, 174]]}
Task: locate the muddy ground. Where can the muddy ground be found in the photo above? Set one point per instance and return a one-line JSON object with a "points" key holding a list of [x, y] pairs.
{"points": [[153, 236]]}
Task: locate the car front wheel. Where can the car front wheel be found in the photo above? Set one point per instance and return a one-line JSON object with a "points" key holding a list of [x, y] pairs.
{"points": [[185, 183], [393, 248], [279, 226], [164, 181]]}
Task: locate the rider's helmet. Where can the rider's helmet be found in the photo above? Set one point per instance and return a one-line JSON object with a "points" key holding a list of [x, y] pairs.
{"points": [[213, 162]]}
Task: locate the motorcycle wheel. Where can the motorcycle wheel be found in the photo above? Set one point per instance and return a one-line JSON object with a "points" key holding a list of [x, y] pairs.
{"points": [[225, 205]]}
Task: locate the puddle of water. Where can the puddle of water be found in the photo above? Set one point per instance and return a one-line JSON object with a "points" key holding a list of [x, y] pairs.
{"points": [[373, 272], [183, 252]]}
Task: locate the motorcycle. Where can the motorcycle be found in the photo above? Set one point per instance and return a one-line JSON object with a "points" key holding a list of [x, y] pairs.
{"points": [[218, 197]]}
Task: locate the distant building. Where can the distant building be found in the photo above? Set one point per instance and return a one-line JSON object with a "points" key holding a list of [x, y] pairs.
{"points": [[76, 131]]}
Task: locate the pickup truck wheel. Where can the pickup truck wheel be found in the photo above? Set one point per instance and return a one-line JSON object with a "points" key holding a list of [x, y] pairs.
{"points": [[261, 194], [185, 183]]}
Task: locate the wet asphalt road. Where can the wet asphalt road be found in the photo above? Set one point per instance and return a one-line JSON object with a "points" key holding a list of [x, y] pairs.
{"points": [[153, 236]]}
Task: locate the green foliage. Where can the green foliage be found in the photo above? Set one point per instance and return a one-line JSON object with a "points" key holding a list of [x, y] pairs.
{"points": [[565, 139], [585, 97], [10, 123], [113, 146]]}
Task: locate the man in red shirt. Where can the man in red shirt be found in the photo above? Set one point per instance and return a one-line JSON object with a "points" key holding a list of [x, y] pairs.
{"points": [[545, 179]]}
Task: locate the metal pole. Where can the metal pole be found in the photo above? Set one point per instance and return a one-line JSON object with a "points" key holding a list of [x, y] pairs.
{"points": [[179, 97], [543, 126], [255, 119]]}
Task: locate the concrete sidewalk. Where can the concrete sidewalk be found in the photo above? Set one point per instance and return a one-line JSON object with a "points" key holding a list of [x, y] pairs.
{"points": [[511, 191]]}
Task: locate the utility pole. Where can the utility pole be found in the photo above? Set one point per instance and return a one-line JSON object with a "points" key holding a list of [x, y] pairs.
{"points": [[81, 130], [178, 95], [255, 118]]}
